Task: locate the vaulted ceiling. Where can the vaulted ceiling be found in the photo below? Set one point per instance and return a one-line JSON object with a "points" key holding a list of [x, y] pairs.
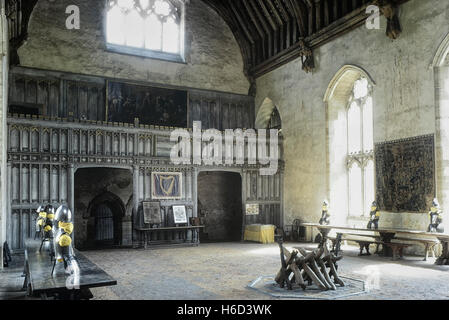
{"points": [[273, 32]]}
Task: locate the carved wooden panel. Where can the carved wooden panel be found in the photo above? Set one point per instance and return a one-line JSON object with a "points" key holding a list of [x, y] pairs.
{"points": [[40, 151], [405, 174]]}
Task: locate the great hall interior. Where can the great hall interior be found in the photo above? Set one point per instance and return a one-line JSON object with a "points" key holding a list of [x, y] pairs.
{"points": [[117, 174]]}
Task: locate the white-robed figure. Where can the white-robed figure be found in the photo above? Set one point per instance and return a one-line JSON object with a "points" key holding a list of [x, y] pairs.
{"points": [[63, 229]]}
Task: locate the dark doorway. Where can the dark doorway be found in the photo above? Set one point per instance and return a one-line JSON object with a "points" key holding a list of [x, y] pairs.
{"points": [[104, 223], [106, 212], [220, 206], [101, 217]]}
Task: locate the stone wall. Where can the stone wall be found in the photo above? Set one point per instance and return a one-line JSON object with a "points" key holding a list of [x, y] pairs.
{"points": [[3, 129], [220, 205], [404, 99], [213, 57]]}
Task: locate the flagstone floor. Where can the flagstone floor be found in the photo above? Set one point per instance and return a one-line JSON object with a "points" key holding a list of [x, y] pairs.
{"points": [[224, 271]]}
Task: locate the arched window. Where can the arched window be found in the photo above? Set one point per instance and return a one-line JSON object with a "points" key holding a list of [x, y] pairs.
{"points": [[360, 158], [275, 120], [151, 28]]}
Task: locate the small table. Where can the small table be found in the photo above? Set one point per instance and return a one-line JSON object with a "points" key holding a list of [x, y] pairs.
{"points": [[39, 281], [195, 233], [259, 233]]}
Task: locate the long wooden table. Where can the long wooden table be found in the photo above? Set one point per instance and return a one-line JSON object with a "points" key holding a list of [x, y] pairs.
{"points": [[40, 282], [183, 230], [386, 235]]}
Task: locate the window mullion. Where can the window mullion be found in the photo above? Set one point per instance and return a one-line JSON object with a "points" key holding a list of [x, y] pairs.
{"points": [[362, 169], [359, 103], [363, 190]]}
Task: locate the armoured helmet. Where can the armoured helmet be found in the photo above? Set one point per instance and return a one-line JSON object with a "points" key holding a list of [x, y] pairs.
{"points": [[40, 209], [50, 209], [63, 214], [435, 203]]}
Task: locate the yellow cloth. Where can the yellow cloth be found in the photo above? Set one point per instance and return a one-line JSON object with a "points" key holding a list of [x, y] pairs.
{"points": [[259, 233], [67, 227], [43, 214], [47, 228], [50, 216], [65, 240]]}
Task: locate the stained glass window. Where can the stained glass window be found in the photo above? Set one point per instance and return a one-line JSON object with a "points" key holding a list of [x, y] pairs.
{"points": [[145, 25]]}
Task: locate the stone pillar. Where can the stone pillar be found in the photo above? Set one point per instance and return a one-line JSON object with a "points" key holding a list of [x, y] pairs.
{"points": [[71, 192], [136, 189], [71, 186], [195, 191], [244, 176], [127, 229], [442, 137], [8, 235], [3, 127], [281, 191]]}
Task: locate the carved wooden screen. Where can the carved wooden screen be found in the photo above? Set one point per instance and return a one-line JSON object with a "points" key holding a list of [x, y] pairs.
{"points": [[405, 174]]}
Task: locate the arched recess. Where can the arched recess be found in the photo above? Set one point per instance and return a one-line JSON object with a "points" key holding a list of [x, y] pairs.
{"points": [[440, 65], [336, 101], [268, 116], [106, 212]]}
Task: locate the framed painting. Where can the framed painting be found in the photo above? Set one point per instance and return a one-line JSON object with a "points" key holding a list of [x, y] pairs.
{"points": [[166, 185], [152, 212], [252, 209], [179, 214], [152, 105]]}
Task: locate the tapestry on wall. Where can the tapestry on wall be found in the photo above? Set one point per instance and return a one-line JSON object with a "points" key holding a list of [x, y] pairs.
{"points": [[153, 106], [166, 186], [405, 174]]}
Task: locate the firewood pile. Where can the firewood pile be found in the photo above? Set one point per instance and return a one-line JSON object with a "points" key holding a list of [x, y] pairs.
{"points": [[306, 268]]}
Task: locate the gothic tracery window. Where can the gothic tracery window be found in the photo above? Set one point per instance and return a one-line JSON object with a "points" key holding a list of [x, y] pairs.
{"points": [[144, 26], [275, 120], [360, 157]]}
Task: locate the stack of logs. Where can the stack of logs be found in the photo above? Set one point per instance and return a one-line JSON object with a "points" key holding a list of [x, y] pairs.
{"points": [[306, 268]]}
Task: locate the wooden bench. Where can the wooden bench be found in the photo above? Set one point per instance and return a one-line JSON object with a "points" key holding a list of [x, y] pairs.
{"points": [[429, 244], [397, 248], [40, 282], [364, 241]]}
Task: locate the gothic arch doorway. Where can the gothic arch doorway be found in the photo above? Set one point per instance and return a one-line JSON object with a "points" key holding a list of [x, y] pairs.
{"points": [[106, 212]]}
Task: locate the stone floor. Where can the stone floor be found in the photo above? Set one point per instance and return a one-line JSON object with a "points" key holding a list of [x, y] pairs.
{"points": [[223, 271]]}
